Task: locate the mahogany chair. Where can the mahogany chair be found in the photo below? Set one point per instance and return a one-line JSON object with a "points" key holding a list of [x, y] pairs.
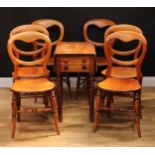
{"points": [[119, 72], [112, 85], [99, 23], [30, 71], [100, 60], [31, 85], [48, 23]]}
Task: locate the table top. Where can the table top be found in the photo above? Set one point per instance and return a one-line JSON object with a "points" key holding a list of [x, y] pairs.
{"points": [[75, 48]]}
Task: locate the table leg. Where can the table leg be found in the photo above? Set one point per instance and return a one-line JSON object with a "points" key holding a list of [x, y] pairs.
{"points": [[59, 97], [91, 98]]}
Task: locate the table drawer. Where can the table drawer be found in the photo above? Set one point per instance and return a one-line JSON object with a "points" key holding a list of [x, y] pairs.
{"points": [[75, 64]]}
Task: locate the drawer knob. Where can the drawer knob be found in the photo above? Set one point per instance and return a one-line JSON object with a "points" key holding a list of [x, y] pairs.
{"points": [[84, 67], [84, 60], [65, 61], [65, 67]]}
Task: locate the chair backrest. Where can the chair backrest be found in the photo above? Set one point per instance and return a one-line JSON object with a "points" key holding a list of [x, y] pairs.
{"points": [[25, 28], [124, 27], [47, 23], [29, 37], [100, 23], [113, 58], [29, 27]]}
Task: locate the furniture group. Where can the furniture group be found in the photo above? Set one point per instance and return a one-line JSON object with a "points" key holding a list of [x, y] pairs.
{"points": [[122, 74]]}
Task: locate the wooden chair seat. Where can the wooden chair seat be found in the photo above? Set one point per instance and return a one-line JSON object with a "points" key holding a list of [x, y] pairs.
{"points": [[31, 72], [32, 85], [101, 61], [119, 85], [122, 72]]}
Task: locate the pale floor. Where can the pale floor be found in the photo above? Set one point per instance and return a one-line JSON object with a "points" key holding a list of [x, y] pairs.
{"points": [[36, 129]]}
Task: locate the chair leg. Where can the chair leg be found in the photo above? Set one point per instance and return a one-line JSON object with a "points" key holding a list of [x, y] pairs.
{"points": [[69, 85], [53, 103], [140, 106], [14, 114], [109, 101], [137, 112], [35, 99], [45, 98], [97, 113], [103, 95], [18, 106], [78, 86]]}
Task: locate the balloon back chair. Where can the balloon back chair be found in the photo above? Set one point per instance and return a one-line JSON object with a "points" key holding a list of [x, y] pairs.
{"points": [[119, 71], [31, 85], [30, 71], [112, 85], [48, 23]]}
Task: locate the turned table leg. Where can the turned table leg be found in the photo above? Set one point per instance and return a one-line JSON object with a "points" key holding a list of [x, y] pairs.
{"points": [[59, 97], [91, 98]]}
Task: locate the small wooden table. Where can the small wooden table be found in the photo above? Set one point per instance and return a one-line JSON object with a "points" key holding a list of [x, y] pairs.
{"points": [[75, 57]]}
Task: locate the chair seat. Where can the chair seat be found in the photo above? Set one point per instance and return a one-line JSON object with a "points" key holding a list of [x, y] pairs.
{"points": [[31, 72], [122, 72], [101, 61], [51, 61], [32, 85], [119, 85]]}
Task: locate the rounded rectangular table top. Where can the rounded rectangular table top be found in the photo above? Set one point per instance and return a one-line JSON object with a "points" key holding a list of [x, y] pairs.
{"points": [[75, 48]]}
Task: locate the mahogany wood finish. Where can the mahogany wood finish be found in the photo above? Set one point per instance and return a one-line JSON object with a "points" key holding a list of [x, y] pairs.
{"points": [[29, 85], [75, 57], [112, 85], [28, 71]]}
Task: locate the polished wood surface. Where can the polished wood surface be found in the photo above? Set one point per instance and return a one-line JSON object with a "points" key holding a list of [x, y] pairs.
{"points": [[76, 57], [29, 27], [127, 72], [122, 72], [77, 48], [24, 72], [29, 71], [109, 86], [29, 85], [119, 85], [32, 85]]}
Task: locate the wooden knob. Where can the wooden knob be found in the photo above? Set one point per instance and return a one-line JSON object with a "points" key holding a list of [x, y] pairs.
{"points": [[65, 60], [84, 67], [84, 60], [65, 67]]}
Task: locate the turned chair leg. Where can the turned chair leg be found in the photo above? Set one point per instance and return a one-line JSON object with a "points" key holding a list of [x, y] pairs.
{"points": [[137, 112], [14, 114], [140, 106], [18, 107], [69, 85], [45, 100], [53, 103], [109, 101], [97, 113], [78, 86]]}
